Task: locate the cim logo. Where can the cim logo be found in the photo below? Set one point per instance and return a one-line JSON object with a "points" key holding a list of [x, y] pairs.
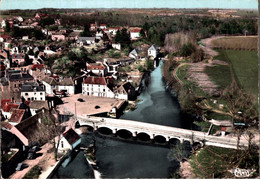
{"points": [[238, 172]]}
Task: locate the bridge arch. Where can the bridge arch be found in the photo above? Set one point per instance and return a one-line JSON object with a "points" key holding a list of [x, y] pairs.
{"points": [[160, 139], [124, 133], [143, 136], [105, 130], [175, 141]]}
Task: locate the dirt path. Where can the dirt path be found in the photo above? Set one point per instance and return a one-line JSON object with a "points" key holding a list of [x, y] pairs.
{"points": [[207, 47], [47, 157]]}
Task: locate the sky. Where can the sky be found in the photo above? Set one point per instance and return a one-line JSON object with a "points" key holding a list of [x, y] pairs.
{"points": [[38, 4]]}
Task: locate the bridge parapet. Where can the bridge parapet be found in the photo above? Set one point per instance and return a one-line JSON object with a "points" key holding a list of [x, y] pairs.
{"points": [[136, 127]]}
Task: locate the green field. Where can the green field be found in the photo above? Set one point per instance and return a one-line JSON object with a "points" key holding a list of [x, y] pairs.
{"points": [[244, 66], [220, 74]]}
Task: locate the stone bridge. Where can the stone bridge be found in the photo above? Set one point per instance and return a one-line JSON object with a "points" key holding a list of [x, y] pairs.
{"points": [[153, 130]]}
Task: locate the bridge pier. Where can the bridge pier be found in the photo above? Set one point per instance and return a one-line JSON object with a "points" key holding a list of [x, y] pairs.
{"points": [[152, 136], [134, 134], [167, 139], [114, 131], [181, 141]]}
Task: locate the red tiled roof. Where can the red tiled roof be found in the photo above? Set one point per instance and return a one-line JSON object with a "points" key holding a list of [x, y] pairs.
{"points": [[9, 106], [17, 115], [113, 28], [37, 66], [135, 30], [4, 101], [95, 80], [6, 125], [95, 67], [71, 136], [102, 24], [5, 36]]}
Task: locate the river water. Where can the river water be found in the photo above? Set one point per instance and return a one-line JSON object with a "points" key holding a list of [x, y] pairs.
{"points": [[117, 158]]}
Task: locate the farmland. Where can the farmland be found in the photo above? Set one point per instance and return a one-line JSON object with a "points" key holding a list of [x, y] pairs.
{"points": [[236, 43], [244, 65]]}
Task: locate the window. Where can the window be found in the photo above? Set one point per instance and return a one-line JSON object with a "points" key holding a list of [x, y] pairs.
{"points": [[41, 98], [40, 93], [34, 93], [62, 144], [104, 90], [26, 94]]}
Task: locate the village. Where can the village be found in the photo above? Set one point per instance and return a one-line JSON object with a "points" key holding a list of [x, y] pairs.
{"points": [[35, 92]]}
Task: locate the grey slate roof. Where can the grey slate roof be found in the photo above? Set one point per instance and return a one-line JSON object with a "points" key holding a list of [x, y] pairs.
{"points": [[20, 77], [66, 82], [30, 88], [84, 39], [152, 47]]}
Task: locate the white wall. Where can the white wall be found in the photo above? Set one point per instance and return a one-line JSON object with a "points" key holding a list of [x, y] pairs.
{"points": [[34, 95], [97, 90], [134, 35], [70, 89], [152, 53], [48, 88]]}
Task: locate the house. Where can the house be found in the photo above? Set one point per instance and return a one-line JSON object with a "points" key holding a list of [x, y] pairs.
{"points": [[4, 38], [37, 71], [18, 58], [68, 141], [32, 92], [111, 67], [138, 53], [17, 79], [93, 27], [99, 34], [133, 54], [66, 85], [96, 68], [126, 91], [58, 37], [6, 106], [97, 86], [38, 105], [25, 37], [102, 26], [113, 31], [86, 40], [17, 116], [135, 33], [73, 36], [50, 84], [152, 51]]}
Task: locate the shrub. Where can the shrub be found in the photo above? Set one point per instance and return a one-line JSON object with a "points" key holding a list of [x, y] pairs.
{"points": [[33, 173]]}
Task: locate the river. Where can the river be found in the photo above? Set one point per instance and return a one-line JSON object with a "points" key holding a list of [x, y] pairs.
{"points": [[117, 158]]}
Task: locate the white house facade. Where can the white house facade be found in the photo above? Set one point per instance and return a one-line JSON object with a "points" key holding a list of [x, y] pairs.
{"points": [[32, 93], [96, 86], [152, 51]]}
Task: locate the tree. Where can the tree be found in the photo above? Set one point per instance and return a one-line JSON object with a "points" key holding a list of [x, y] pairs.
{"points": [[240, 104], [46, 21], [86, 32], [187, 49]]}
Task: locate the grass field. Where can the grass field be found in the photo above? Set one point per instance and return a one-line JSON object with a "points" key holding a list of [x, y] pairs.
{"points": [[220, 74], [237, 43], [244, 66]]}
